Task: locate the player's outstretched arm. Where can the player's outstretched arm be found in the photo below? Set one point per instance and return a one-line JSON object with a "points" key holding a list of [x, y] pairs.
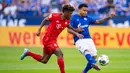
{"points": [[105, 19], [42, 24]]}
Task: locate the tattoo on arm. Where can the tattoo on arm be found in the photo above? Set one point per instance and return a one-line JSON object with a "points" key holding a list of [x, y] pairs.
{"points": [[102, 21]]}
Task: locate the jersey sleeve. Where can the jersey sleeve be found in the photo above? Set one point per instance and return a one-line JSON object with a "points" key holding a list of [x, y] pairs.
{"points": [[91, 20], [50, 17], [72, 22]]}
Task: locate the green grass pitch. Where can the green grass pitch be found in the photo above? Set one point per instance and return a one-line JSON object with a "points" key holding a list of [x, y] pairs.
{"points": [[74, 61]]}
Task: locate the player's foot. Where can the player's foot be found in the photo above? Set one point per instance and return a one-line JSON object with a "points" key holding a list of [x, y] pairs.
{"points": [[24, 54], [95, 66]]}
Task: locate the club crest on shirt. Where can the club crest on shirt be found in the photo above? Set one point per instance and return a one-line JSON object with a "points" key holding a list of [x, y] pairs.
{"points": [[58, 26], [85, 18], [66, 23]]}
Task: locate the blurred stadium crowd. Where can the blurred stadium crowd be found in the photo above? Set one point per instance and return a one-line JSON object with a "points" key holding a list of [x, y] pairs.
{"points": [[44, 7], [31, 12]]}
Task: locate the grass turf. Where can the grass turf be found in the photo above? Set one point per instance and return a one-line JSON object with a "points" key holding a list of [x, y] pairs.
{"points": [[74, 61]]}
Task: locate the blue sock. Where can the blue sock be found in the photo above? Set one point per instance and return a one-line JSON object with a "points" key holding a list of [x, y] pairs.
{"points": [[90, 58], [90, 61], [87, 68]]}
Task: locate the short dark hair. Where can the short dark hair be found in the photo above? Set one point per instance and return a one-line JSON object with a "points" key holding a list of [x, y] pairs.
{"points": [[68, 7], [82, 5]]}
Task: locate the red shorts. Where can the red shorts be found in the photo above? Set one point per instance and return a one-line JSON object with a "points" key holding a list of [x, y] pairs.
{"points": [[49, 45]]}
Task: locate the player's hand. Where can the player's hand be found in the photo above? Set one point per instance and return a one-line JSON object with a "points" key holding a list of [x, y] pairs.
{"points": [[79, 35], [79, 29], [38, 33], [112, 15]]}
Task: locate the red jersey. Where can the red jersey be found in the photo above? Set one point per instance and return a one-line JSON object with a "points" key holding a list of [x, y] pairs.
{"points": [[57, 24]]}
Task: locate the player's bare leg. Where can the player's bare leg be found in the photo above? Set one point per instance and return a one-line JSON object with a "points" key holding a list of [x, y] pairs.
{"points": [[60, 59], [45, 58]]}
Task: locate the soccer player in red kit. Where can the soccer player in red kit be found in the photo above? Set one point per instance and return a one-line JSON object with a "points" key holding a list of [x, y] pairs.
{"points": [[58, 21]]}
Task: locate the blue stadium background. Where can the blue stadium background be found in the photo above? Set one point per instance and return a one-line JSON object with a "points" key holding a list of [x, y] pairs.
{"points": [[32, 12]]}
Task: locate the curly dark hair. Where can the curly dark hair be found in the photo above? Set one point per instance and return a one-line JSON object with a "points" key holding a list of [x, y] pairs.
{"points": [[68, 7]]}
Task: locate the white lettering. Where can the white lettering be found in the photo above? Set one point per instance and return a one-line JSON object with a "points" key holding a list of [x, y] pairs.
{"points": [[22, 22], [13, 23], [126, 24]]}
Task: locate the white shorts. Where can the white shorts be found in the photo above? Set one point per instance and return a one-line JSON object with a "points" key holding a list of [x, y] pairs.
{"points": [[86, 44]]}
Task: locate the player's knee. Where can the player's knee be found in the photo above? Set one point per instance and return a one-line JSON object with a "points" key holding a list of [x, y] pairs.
{"points": [[86, 52], [58, 53], [44, 61]]}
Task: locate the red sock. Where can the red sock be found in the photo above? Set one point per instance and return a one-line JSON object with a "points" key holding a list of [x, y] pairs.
{"points": [[35, 56], [60, 62]]}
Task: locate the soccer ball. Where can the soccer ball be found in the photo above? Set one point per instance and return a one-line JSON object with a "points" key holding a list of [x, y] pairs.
{"points": [[103, 60]]}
